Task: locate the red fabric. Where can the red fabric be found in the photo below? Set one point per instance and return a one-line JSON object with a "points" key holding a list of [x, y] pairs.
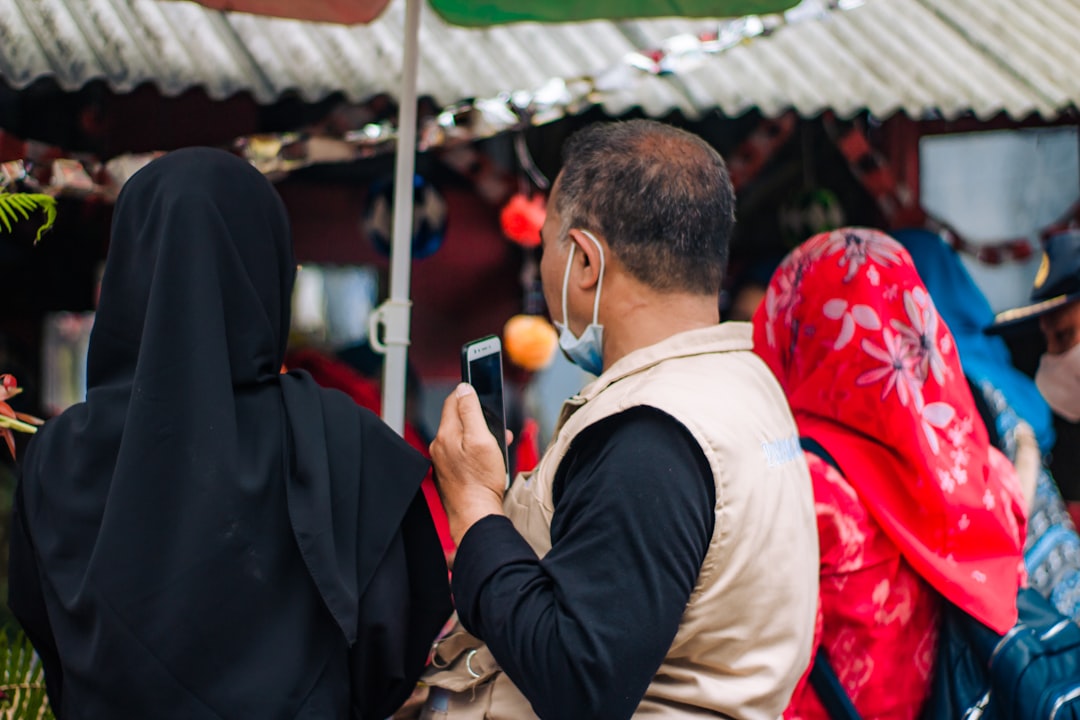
{"points": [[1074, 512], [334, 374], [345, 12], [11, 147], [331, 373], [528, 446], [877, 618], [872, 374]]}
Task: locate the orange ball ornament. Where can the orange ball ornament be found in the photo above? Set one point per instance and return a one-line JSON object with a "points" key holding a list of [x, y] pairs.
{"points": [[530, 341]]}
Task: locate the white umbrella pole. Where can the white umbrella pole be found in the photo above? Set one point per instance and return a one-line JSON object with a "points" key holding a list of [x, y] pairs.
{"points": [[395, 311]]}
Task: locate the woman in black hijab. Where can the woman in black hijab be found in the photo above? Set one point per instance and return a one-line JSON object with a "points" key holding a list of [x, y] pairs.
{"points": [[203, 537]]}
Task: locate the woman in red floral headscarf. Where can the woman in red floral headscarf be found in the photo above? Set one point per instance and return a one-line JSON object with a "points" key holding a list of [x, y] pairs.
{"points": [[924, 506]]}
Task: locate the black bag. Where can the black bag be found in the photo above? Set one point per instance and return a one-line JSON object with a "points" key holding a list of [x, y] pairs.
{"points": [[1030, 673], [1033, 671]]}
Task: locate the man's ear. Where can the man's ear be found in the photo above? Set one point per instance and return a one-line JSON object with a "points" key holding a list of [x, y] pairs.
{"points": [[587, 259]]}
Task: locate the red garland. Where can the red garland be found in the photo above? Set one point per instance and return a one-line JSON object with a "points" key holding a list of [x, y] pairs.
{"points": [[1018, 249]]}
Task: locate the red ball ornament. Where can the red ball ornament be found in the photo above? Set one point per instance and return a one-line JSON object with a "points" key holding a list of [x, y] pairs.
{"points": [[522, 218]]}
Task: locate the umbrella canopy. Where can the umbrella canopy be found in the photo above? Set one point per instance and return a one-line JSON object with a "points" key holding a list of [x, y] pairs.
{"points": [[496, 12], [393, 316], [344, 12]]}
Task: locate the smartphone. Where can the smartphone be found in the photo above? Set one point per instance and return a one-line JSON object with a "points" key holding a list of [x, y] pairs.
{"points": [[481, 367]]}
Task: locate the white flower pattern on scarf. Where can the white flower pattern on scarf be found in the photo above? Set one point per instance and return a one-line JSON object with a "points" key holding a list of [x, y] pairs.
{"points": [[920, 335], [897, 370], [909, 353], [889, 332], [862, 315], [910, 356], [860, 248], [783, 296]]}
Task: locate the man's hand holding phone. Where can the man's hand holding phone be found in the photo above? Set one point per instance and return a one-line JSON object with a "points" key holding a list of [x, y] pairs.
{"points": [[469, 467]]}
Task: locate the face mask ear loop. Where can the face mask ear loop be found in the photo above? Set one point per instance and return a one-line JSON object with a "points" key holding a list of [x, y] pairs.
{"points": [[565, 282], [599, 282]]}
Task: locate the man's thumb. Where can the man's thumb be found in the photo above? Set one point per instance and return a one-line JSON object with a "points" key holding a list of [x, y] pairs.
{"points": [[469, 411]]}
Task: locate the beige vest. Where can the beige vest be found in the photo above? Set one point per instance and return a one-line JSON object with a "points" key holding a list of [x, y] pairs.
{"points": [[745, 636]]}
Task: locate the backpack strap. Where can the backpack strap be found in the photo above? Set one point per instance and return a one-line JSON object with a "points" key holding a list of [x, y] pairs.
{"points": [[823, 678], [830, 691], [811, 445]]}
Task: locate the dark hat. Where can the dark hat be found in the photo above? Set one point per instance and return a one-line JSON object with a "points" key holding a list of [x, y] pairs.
{"points": [[1057, 282]]}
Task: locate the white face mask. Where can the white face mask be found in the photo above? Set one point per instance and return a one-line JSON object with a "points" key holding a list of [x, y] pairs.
{"points": [[1058, 379], [587, 351]]}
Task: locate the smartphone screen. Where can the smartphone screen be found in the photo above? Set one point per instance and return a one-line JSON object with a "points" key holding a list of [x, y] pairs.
{"points": [[481, 367]]}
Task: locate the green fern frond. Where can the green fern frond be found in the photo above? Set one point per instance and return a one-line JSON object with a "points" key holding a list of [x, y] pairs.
{"points": [[14, 204], [4, 213], [22, 681]]}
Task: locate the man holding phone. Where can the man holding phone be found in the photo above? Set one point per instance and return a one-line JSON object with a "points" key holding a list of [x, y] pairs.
{"points": [[662, 558]]}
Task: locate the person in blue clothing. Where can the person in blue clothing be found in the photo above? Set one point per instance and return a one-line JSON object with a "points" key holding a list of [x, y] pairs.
{"points": [[1017, 417]]}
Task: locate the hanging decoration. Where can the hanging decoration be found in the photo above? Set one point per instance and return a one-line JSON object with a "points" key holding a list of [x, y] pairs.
{"points": [[522, 217], [530, 341], [429, 217], [1020, 249], [870, 168], [897, 202], [753, 153], [529, 338], [994, 253], [528, 165]]}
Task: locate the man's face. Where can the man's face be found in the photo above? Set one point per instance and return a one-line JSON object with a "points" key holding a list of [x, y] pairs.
{"points": [[553, 258], [1061, 328]]}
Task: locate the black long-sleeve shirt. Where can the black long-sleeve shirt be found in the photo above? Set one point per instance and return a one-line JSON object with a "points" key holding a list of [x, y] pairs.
{"points": [[582, 631]]}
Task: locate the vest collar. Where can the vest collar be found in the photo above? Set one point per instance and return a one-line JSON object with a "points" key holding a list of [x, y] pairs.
{"points": [[723, 337]]}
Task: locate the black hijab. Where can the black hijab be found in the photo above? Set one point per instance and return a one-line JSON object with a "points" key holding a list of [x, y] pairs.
{"points": [[204, 537]]}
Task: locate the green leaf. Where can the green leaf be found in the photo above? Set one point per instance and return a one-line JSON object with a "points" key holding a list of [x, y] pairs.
{"points": [[24, 204], [22, 680], [4, 211], [19, 205], [16, 424], [48, 204]]}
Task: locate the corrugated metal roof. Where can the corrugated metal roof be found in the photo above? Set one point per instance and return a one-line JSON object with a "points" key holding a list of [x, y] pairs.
{"points": [[916, 56]]}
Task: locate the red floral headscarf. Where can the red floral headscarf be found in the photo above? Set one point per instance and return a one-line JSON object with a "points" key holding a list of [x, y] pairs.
{"points": [[872, 374]]}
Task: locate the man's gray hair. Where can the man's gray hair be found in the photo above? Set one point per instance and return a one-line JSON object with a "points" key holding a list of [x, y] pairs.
{"points": [[660, 196]]}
